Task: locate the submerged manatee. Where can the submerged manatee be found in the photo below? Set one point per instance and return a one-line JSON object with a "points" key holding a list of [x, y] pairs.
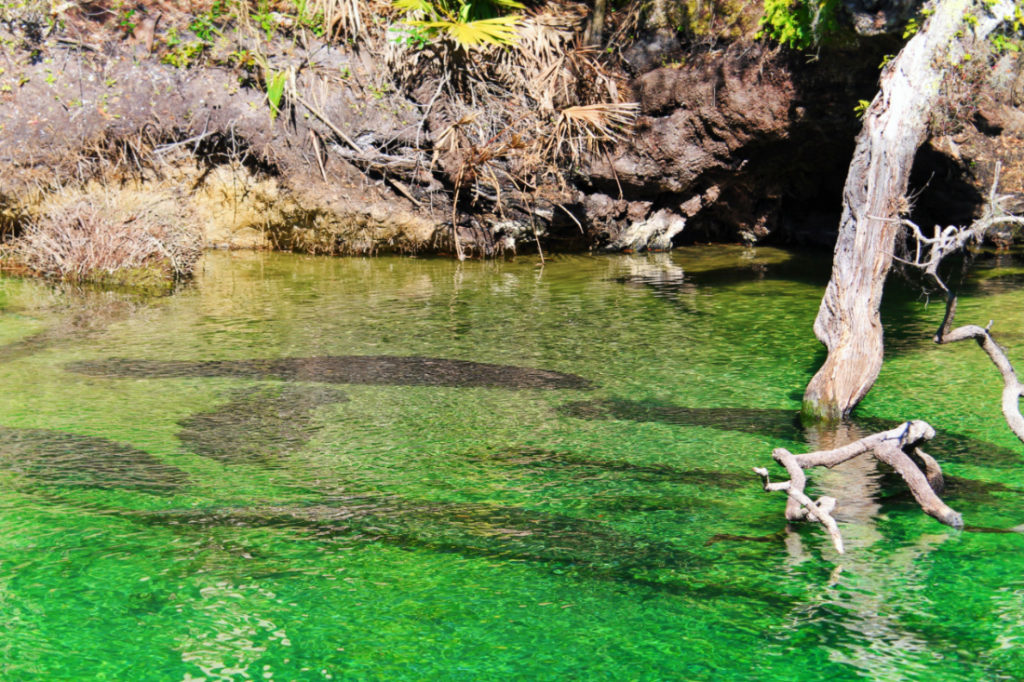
{"points": [[580, 548], [343, 369], [67, 459], [783, 425], [258, 427], [532, 460], [466, 528]]}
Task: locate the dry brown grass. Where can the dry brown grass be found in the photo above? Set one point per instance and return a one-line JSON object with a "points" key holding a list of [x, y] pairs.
{"points": [[115, 236]]}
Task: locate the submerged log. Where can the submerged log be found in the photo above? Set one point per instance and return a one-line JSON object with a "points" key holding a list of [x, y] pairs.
{"points": [[892, 447]]}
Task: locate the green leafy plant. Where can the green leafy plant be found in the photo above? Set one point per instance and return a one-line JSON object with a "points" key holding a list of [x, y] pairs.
{"points": [[1002, 44], [183, 55], [125, 19], [276, 81], [263, 18], [205, 26], [310, 18], [799, 24], [912, 27], [467, 23]]}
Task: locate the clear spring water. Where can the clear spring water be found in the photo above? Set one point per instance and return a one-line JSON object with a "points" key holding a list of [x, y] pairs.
{"points": [[300, 468]]}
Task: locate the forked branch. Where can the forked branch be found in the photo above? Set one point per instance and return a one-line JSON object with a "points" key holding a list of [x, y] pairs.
{"points": [[892, 447], [929, 253]]}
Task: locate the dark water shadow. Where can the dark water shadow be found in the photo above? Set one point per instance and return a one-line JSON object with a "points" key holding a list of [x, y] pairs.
{"points": [[537, 461], [30, 345], [261, 426], [576, 547], [784, 425], [959, 493], [79, 315], [56, 458], [343, 369], [772, 538], [780, 424]]}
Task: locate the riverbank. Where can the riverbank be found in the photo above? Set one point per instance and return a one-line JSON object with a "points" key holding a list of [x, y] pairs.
{"points": [[275, 127]]}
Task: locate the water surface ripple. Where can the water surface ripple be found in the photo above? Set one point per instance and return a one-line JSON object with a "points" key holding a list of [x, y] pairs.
{"points": [[303, 468]]}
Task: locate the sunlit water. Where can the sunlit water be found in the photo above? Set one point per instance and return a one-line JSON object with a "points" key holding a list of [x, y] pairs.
{"points": [[301, 468]]}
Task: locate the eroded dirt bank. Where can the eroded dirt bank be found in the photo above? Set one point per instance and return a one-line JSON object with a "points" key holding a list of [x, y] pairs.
{"points": [[373, 148]]}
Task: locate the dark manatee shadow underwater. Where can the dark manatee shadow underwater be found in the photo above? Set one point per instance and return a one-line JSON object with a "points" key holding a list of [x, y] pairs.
{"points": [[64, 459], [539, 461], [343, 369], [783, 425], [578, 548], [262, 426]]}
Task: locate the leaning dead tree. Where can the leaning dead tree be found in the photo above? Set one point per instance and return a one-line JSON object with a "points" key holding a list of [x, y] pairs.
{"points": [[900, 448], [895, 125]]}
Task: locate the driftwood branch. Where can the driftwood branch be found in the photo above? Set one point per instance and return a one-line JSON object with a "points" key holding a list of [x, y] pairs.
{"points": [[891, 447], [929, 252], [1012, 387]]}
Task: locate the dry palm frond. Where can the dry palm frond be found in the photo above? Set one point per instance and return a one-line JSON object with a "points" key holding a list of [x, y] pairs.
{"points": [[342, 18], [448, 142], [601, 121], [583, 128]]}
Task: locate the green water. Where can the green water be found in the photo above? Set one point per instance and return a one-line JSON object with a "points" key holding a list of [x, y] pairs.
{"points": [[301, 468]]}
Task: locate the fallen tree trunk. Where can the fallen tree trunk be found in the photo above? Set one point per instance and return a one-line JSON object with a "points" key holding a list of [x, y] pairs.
{"points": [[895, 125], [892, 447]]}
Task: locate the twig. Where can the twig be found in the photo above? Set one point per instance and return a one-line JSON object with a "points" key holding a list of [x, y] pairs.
{"points": [[330, 124]]}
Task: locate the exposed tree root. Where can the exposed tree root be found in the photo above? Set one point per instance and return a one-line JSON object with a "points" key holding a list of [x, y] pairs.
{"points": [[894, 447]]}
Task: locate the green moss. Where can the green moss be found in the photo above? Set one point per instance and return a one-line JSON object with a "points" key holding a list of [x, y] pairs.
{"points": [[728, 20]]}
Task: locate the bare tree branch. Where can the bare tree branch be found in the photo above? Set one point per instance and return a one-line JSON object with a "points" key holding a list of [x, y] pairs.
{"points": [[929, 253], [1011, 385], [891, 447]]}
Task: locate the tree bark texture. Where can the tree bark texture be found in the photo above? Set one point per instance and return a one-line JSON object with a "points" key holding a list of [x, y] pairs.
{"points": [[594, 34], [895, 125]]}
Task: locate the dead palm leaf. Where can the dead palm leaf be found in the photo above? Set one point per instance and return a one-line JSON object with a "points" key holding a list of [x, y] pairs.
{"points": [[583, 128]]}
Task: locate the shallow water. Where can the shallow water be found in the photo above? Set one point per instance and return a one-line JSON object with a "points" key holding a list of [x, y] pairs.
{"points": [[304, 468]]}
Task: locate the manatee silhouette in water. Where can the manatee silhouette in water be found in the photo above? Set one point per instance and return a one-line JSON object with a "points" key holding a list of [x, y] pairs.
{"points": [[582, 548], [783, 425], [67, 459], [463, 527], [534, 460], [343, 369], [258, 427]]}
